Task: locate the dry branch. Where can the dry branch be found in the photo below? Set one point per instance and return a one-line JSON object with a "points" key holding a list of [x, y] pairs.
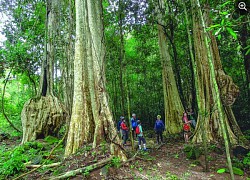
{"points": [[81, 170], [131, 159], [44, 166]]}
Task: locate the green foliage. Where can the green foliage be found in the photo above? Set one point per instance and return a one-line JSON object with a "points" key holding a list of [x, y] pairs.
{"points": [[170, 176], [246, 160], [51, 140], [222, 170], [116, 162], [13, 162], [16, 94], [104, 147], [238, 171], [192, 152]]}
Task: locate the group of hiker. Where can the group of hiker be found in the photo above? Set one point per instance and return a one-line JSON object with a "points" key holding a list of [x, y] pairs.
{"points": [[159, 127], [137, 130]]}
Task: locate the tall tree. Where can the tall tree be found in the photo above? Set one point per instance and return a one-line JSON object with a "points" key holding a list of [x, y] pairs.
{"points": [[172, 101], [206, 88], [91, 119], [44, 114]]}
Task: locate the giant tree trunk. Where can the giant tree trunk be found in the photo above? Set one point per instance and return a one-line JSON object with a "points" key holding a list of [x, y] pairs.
{"points": [[91, 120], [44, 114], [208, 102], [172, 101]]}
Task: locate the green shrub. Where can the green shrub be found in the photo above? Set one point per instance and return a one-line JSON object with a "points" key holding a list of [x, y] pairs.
{"points": [[13, 163], [246, 160], [192, 152], [51, 140]]}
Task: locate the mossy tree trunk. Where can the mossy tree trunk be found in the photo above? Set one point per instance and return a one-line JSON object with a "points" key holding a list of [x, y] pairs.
{"points": [[91, 120], [172, 101], [44, 115], [206, 88]]}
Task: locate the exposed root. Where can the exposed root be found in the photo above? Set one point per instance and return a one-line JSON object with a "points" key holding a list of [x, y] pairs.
{"points": [[42, 117]]}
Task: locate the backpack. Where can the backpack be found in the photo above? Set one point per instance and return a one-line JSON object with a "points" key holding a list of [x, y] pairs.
{"points": [[186, 127], [137, 130], [158, 125], [134, 124]]}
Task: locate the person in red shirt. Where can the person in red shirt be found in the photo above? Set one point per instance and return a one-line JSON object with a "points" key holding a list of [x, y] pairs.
{"points": [[186, 126], [124, 132]]}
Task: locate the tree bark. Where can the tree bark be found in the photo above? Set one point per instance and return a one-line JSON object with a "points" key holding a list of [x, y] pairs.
{"points": [[91, 120], [172, 101], [217, 94], [44, 115]]}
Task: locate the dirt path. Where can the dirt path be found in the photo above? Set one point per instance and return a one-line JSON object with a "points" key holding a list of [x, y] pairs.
{"points": [[170, 162]]}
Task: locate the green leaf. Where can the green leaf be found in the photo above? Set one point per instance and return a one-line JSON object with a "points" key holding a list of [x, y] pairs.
{"points": [[231, 31], [248, 51], [220, 171], [223, 5], [238, 47], [215, 25], [238, 171], [224, 13], [222, 22], [219, 37]]}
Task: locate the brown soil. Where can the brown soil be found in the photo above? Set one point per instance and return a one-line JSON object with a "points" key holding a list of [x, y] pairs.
{"points": [[165, 162]]}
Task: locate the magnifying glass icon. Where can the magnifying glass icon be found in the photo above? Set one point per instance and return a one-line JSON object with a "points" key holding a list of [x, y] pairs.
{"points": [[242, 5]]}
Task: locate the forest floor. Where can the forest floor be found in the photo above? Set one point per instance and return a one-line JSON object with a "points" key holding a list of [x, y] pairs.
{"points": [[166, 161]]}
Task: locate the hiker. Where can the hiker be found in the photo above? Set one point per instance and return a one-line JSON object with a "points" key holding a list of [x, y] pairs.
{"points": [[159, 128], [139, 133], [119, 130], [133, 124], [186, 126], [124, 132], [191, 117]]}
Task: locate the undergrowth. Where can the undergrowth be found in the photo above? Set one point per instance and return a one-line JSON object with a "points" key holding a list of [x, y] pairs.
{"points": [[12, 161]]}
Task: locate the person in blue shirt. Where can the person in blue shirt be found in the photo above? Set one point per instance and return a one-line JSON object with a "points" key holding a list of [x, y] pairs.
{"points": [[119, 125], [159, 128], [133, 124], [141, 139]]}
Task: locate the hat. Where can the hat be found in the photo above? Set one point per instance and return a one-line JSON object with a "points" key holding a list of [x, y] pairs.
{"points": [[138, 121], [133, 114], [158, 116], [121, 117]]}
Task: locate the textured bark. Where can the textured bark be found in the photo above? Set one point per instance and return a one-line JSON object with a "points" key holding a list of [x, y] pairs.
{"points": [[172, 101], [208, 102], [67, 65], [91, 120], [42, 117]]}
